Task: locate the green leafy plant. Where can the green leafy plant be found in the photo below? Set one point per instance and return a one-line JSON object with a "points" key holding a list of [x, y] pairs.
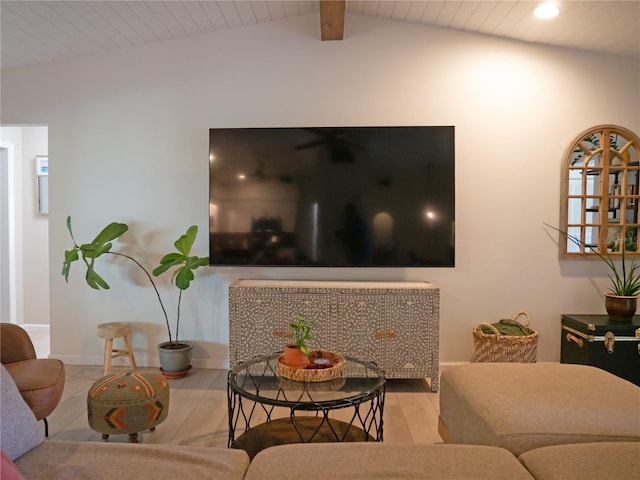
{"points": [[182, 276], [302, 327], [624, 282], [595, 144]]}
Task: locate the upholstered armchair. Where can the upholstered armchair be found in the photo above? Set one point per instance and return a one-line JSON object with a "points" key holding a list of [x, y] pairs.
{"points": [[39, 380]]}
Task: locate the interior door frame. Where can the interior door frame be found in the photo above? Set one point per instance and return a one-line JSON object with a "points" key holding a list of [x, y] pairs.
{"points": [[8, 240]]}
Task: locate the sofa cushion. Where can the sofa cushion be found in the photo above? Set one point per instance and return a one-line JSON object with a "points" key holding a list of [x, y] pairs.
{"points": [[586, 461], [8, 469], [62, 460], [522, 406], [381, 461], [19, 430]]}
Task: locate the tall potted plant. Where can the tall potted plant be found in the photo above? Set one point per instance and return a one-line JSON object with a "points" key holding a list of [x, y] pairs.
{"points": [[621, 300], [183, 263]]}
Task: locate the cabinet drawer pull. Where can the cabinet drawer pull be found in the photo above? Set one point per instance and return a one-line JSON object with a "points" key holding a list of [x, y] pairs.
{"points": [[391, 334], [573, 338], [277, 333], [379, 334], [289, 333]]}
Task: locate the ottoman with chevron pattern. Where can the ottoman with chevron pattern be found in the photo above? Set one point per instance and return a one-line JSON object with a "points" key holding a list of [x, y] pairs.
{"points": [[127, 403]]}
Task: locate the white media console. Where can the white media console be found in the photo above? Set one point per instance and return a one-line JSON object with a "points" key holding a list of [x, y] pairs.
{"points": [[394, 324]]}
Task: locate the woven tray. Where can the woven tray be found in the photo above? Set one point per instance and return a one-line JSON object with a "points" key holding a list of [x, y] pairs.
{"points": [[313, 374], [314, 386]]}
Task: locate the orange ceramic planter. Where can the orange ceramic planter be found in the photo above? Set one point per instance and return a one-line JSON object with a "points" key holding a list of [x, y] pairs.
{"points": [[293, 356]]}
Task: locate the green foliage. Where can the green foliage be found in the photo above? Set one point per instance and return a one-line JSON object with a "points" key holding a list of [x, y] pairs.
{"points": [[595, 144], [302, 327], [91, 251], [183, 275], [624, 282], [101, 245]]}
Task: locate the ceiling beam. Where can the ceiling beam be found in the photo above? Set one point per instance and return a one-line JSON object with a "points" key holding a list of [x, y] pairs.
{"points": [[332, 19]]}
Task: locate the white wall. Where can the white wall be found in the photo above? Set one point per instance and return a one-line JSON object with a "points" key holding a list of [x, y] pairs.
{"points": [[128, 132], [31, 230]]}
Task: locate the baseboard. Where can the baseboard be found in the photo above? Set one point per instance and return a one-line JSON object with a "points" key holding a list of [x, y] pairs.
{"points": [[36, 327], [141, 361]]}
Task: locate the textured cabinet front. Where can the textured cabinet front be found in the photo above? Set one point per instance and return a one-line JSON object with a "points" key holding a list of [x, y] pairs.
{"points": [[361, 319], [414, 339], [257, 325], [395, 325]]}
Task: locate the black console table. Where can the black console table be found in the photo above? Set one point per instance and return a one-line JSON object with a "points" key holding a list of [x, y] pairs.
{"points": [[596, 340]]}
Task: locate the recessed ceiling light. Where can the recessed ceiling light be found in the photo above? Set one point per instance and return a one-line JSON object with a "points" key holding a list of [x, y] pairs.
{"points": [[546, 10]]}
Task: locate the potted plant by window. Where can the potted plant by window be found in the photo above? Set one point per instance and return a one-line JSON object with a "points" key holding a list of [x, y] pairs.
{"points": [[621, 300], [175, 354], [296, 354]]}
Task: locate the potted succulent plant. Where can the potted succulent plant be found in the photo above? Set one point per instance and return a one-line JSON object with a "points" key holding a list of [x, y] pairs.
{"points": [[622, 298], [183, 263], [296, 354]]}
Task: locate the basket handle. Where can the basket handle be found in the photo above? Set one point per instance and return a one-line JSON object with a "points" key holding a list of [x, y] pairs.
{"points": [[494, 329], [515, 317]]}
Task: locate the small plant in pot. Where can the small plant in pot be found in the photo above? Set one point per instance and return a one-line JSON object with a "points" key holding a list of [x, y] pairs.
{"points": [[184, 263], [622, 298], [296, 354]]}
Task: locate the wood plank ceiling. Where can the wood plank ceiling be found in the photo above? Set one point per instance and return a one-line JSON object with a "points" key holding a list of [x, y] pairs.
{"points": [[34, 32]]}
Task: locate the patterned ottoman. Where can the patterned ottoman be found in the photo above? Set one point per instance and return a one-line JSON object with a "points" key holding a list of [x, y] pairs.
{"points": [[127, 403]]}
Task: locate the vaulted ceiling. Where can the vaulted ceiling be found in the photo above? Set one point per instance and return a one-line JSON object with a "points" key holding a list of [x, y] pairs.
{"points": [[35, 32]]}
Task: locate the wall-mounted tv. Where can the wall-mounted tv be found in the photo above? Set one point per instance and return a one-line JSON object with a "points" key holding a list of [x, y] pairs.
{"points": [[332, 196]]}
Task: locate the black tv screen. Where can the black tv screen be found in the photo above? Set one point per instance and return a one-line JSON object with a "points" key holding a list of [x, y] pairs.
{"points": [[332, 196]]}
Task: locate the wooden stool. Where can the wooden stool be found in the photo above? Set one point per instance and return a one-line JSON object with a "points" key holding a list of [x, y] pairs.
{"points": [[112, 330]]}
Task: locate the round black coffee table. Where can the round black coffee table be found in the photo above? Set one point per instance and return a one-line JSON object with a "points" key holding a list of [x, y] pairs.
{"points": [[266, 409]]}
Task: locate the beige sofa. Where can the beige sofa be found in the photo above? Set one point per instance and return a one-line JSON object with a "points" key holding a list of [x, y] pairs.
{"points": [[34, 458], [522, 406]]}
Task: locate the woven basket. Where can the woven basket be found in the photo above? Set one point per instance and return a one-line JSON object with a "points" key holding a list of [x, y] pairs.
{"points": [[494, 347], [313, 374], [315, 386]]}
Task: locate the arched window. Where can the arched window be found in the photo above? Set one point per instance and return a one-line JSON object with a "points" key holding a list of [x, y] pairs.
{"points": [[600, 192]]}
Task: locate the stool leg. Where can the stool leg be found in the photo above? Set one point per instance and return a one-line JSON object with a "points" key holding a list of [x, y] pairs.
{"points": [[105, 437], [133, 438], [108, 351], [127, 343], [46, 427]]}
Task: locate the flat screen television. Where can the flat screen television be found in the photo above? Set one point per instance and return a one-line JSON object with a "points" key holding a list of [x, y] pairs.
{"points": [[332, 196]]}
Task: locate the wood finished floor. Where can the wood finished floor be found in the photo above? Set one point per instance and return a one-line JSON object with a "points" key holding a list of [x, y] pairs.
{"points": [[198, 411]]}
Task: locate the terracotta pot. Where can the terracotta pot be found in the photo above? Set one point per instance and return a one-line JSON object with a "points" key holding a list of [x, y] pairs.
{"points": [[293, 356], [619, 308]]}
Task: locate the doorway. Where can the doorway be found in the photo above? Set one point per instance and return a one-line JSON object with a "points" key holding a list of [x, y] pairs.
{"points": [[7, 235], [24, 234]]}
